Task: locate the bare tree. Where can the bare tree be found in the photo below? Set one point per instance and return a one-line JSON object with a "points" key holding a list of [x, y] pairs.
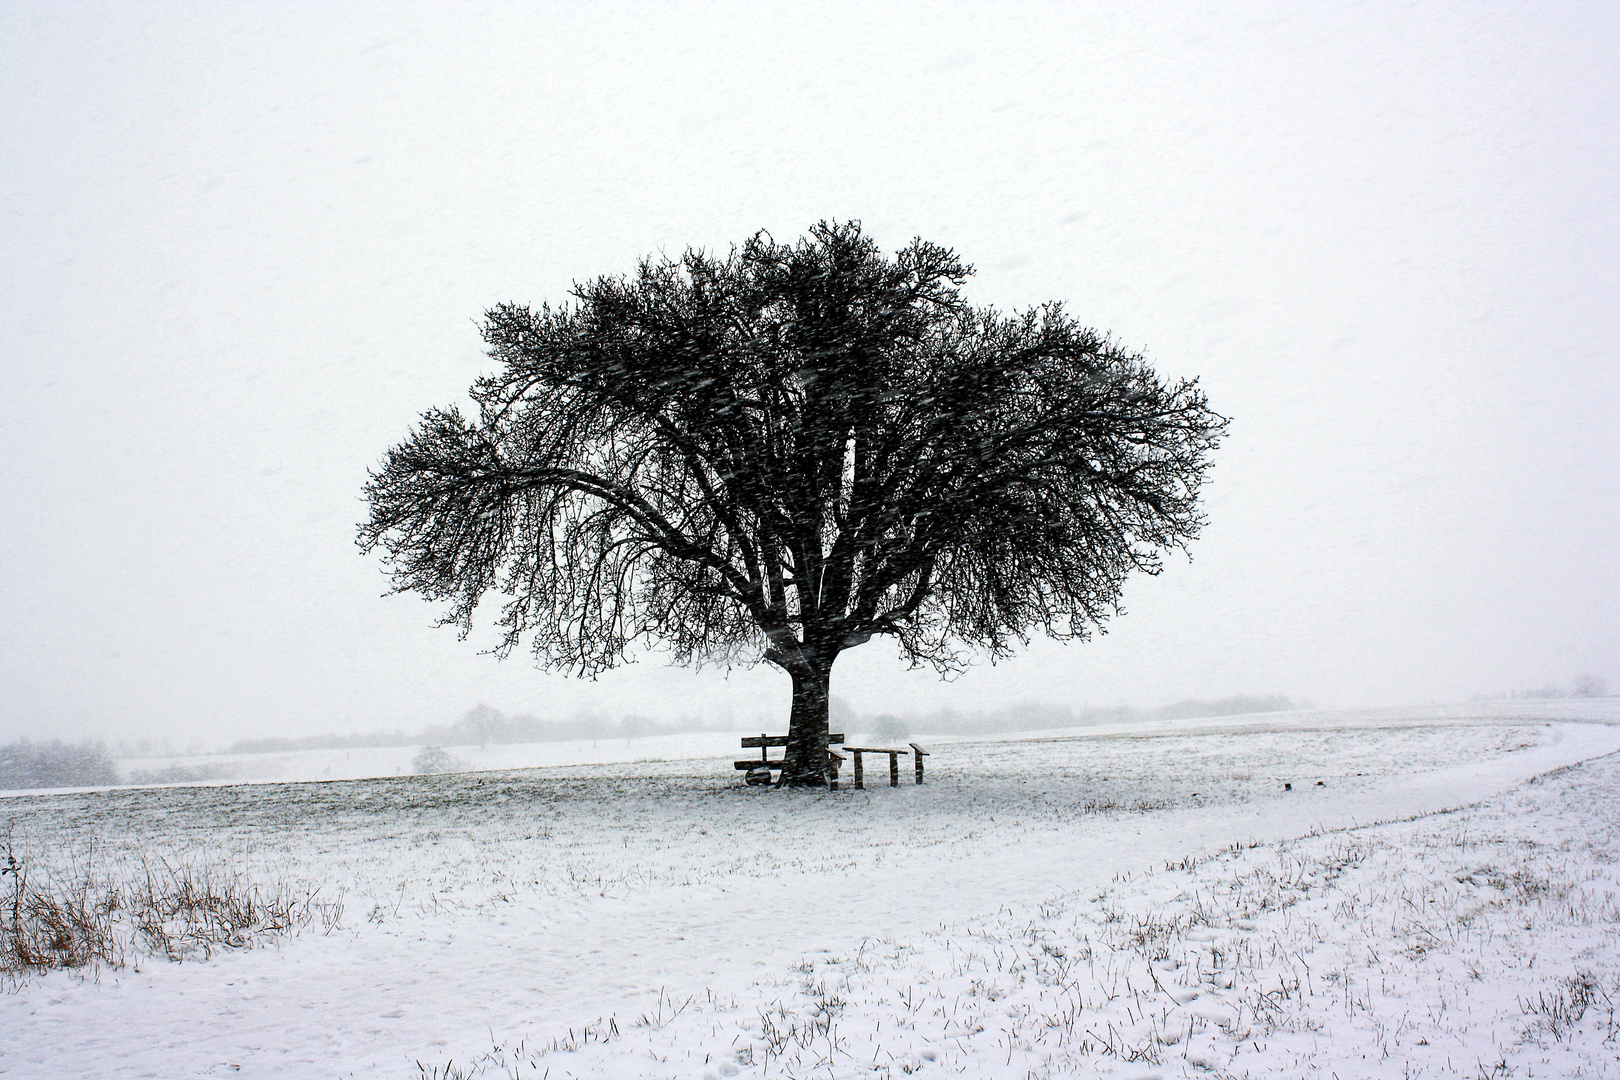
{"points": [[783, 453]]}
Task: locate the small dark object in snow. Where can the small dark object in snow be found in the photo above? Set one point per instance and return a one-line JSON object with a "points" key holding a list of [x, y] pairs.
{"points": [[757, 777], [1288, 787], [1321, 783]]}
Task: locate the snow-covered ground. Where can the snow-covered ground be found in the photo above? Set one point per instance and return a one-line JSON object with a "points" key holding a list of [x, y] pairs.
{"points": [[369, 762], [1433, 897]]}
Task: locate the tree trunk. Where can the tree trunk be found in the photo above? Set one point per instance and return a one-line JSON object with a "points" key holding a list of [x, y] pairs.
{"points": [[805, 757]]}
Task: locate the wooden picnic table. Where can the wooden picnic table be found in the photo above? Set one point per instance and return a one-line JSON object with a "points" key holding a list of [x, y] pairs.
{"points": [[894, 761]]}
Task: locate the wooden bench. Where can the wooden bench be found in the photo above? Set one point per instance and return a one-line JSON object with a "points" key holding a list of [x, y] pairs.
{"points": [[765, 742], [894, 761]]}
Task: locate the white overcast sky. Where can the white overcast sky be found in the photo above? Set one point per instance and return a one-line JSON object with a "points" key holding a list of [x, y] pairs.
{"points": [[244, 246]]}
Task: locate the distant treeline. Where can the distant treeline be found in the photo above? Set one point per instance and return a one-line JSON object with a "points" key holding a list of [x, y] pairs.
{"points": [[1587, 686], [485, 726], [482, 726], [1036, 717], [53, 764], [1237, 705]]}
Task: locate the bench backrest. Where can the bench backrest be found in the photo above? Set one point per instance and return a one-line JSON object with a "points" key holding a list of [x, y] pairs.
{"points": [[834, 739]]}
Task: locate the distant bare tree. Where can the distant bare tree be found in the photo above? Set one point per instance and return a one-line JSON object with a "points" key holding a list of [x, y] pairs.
{"points": [[433, 759], [482, 725], [782, 453]]}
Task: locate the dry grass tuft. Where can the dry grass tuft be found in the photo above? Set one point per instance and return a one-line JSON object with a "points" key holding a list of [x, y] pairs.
{"points": [[55, 927], [85, 916]]}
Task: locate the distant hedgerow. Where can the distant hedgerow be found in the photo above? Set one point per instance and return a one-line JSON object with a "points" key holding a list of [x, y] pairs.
{"points": [[26, 764]]}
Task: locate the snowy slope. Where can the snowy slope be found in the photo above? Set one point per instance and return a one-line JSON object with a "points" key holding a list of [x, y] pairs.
{"points": [[658, 919]]}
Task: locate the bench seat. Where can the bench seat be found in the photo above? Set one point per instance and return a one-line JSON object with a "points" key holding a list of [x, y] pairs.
{"points": [[765, 742]]}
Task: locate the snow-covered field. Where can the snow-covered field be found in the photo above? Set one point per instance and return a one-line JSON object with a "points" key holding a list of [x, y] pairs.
{"points": [[1438, 895]]}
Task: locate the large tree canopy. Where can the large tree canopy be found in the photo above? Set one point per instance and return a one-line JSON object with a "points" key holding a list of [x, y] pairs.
{"points": [[782, 453]]}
